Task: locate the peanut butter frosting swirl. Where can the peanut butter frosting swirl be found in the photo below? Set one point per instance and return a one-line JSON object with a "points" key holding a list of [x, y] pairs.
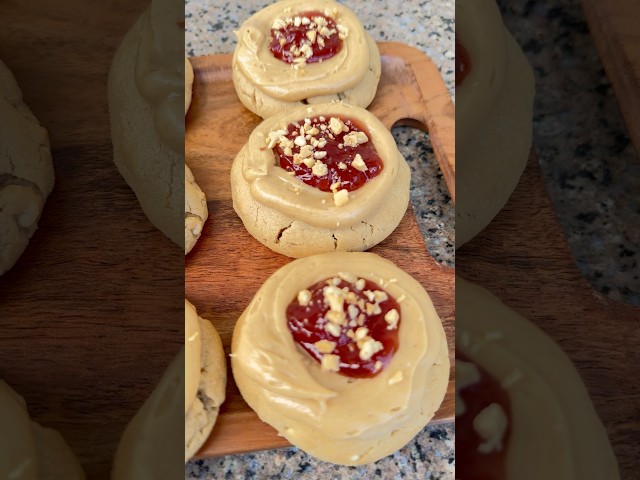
{"points": [[160, 70], [548, 399], [333, 417], [286, 82], [272, 186]]}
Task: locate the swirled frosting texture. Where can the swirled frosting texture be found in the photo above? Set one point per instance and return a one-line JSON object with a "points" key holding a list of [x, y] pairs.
{"points": [[160, 72], [548, 399], [333, 417]]}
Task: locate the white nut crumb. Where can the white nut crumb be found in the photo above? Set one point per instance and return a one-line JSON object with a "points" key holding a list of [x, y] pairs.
{"points": [[320, 169], [333, 329], [342, 166], [341, 197], [392, 317], [358, 163], [361, 333], [325, 346], [304, 297], [396, 378], [369, 348], [360, 284], [309, 162], [330, 363], [336, 125], [300, 141]]}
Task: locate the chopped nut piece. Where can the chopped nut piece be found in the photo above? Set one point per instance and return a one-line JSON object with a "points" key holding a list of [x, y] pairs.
{"points": [[320, 169], [377, 366], [353, 312], [325, 346], [369, 348], [304, 297], [319, 155], [361, 333], [333, 329], [309, 162], [311, 35], [337, 126], [373, 309], [360, 284], [300, 141], [342, 166], [334, 297], [336, 317], [341, 197], [288, 152], [392, 317], [330, 363], [358, 163], [380, 296], [354, 139], [396, 378]]}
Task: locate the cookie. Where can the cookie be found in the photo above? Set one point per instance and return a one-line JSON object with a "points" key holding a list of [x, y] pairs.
{"points": [[146, 88], [28, 450], [195, 210], [338, 182], [26, 171], [515, 386], [206, 379], [343, 354], [300, 52], [494, 111]]}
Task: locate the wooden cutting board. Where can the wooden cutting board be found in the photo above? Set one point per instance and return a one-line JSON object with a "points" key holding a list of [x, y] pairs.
{"points": [[523, 258], [91, 315], [614, 25], [227, 266]]}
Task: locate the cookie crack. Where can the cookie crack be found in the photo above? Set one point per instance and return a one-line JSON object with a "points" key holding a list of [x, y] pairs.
{"points": [[281, 232], [335, 242]]}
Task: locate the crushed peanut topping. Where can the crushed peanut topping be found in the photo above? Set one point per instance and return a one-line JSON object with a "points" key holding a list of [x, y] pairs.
{"points": [[341, 197], [325, 346], [392, 317], [330, 363], [335, 322], [304, 297]]}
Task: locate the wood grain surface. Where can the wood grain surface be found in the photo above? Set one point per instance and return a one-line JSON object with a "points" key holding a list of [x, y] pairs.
{"points": [[227, 266], [91, 315], [523, 258], [614, 25]]}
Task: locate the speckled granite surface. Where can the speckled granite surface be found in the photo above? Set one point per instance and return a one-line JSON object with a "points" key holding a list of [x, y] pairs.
{"points": [[427, 25], [592, 170]]}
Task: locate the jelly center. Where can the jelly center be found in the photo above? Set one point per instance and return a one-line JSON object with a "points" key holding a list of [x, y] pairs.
{"points": [[350, 327], [307, 37], [463, 63], [331, 154], [471, 463]]}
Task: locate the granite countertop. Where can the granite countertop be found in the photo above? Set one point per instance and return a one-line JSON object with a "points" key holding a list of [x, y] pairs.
{"points": [[428, 25], [591, 169]]}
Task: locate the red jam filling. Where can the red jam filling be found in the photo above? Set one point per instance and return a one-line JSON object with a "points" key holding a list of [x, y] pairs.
{"points": [[307, 37], [327, 160], [354, 325], [463, 63], [471, 464]]}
